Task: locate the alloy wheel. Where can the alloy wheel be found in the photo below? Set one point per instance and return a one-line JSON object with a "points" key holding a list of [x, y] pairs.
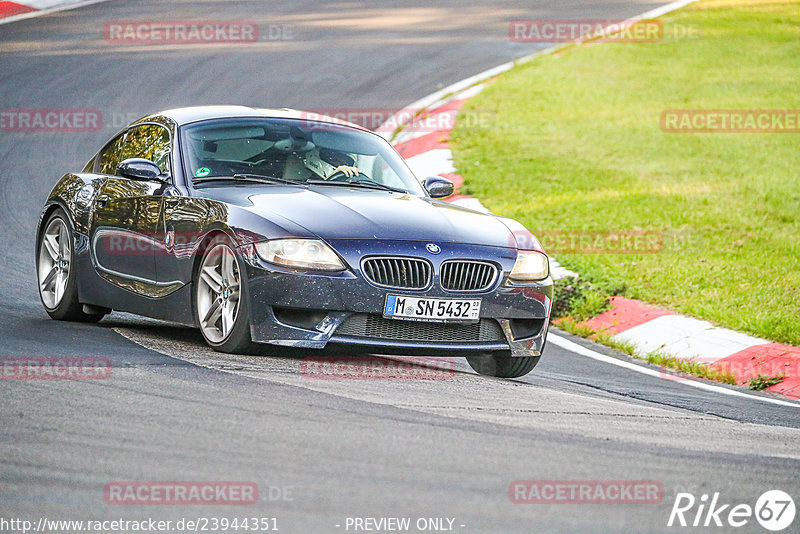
{"points": [[218, 290], [55, 256]]}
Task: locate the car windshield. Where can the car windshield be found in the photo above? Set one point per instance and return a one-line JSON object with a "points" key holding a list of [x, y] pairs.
{"points": [[293, 149]]}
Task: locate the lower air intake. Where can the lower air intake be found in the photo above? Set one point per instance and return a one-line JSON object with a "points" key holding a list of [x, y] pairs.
{"points": [[374, 326]]}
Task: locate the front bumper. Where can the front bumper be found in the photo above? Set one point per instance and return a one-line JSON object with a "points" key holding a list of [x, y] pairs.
{"points": [[312, 310]]}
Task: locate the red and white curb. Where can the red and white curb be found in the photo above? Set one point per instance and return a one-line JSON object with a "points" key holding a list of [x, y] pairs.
{"points": [[23, 9], [655, 330], [648, 329]]}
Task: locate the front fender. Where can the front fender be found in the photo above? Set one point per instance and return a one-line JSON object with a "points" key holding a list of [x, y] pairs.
{"points": [[75, 194]]}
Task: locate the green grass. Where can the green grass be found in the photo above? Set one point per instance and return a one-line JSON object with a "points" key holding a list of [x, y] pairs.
{"points": [[690, 367], [761, 382], [577, 146], [567, 324], [622, 346], [579, 299]]}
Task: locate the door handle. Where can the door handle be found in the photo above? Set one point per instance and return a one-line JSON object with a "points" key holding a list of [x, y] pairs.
{"points": [[101, 200]]}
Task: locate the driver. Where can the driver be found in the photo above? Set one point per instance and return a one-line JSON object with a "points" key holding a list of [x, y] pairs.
{"points": [[325, 163]]}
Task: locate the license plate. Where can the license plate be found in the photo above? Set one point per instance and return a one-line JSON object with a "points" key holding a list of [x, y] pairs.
{"points": [[425, 309]]}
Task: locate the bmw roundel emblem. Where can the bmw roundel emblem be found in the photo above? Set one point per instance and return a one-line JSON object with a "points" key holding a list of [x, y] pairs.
{"points": [[433, 248]]}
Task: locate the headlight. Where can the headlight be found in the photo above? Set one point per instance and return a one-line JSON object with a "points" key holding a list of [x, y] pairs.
{"points": [[309, 254], [530, 266]]}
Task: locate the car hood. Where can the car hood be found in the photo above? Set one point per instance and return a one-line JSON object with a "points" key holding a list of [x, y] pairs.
{"points": [[335, 212]]}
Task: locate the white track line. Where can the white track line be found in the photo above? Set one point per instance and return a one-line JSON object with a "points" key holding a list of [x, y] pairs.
{"points": [[663, 10], [589, 353]]}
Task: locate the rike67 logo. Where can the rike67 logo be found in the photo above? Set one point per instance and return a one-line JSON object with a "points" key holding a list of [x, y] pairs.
{"points": [[774, 510]]}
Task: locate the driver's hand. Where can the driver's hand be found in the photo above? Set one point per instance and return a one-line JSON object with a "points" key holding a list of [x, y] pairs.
{"points": [[348, 171]]}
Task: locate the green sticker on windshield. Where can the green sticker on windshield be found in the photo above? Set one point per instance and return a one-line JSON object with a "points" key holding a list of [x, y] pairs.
{"points": [[202, 172]]}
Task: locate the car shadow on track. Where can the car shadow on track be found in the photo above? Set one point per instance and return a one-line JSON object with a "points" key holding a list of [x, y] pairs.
{"points": [[331, 360]]}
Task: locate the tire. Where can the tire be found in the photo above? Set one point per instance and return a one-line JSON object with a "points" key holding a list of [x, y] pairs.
{"points": [[56, 273], [502, 365], [220, 300]]}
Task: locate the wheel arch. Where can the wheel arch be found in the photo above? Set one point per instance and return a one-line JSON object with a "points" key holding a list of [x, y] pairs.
{"points": [[203, 244], [47, 212]]}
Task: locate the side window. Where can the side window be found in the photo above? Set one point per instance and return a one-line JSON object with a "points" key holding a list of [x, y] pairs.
{"points": [[110, 157], [148, 141]]}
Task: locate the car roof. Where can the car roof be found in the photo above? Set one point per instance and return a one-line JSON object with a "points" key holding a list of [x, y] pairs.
{"points": [[181, 116]]}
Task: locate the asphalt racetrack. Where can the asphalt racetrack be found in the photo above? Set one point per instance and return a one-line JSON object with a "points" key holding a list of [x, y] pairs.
{"points": [[323, 451]]}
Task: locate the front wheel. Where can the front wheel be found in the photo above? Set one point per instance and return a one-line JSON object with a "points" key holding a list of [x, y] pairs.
{"points": [[502, 365], [220, 301]]}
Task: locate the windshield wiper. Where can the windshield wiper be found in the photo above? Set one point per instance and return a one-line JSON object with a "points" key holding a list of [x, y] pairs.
{"points": [[369, 184], [258, 178]]}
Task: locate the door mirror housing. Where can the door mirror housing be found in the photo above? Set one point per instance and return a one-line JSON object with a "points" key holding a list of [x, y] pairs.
{"points": [[141, 169], [438, 187]]}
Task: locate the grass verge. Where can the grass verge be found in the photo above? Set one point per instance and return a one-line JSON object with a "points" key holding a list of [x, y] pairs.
{"points": [[577, 147]]}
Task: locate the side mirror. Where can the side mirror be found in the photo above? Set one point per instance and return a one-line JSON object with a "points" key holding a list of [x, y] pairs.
{"points": [[438, 187], [140, 169]]}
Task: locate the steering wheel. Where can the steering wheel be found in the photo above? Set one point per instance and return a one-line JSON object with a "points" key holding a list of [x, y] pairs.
{"points": [[340, 176]]}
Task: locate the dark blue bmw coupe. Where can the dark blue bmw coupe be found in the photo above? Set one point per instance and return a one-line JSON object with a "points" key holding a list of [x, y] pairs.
{"points": [[265, 227]]}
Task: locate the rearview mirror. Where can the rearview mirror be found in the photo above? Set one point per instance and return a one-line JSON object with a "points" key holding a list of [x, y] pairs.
{"points": [[438, 187], [140, 169]]}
